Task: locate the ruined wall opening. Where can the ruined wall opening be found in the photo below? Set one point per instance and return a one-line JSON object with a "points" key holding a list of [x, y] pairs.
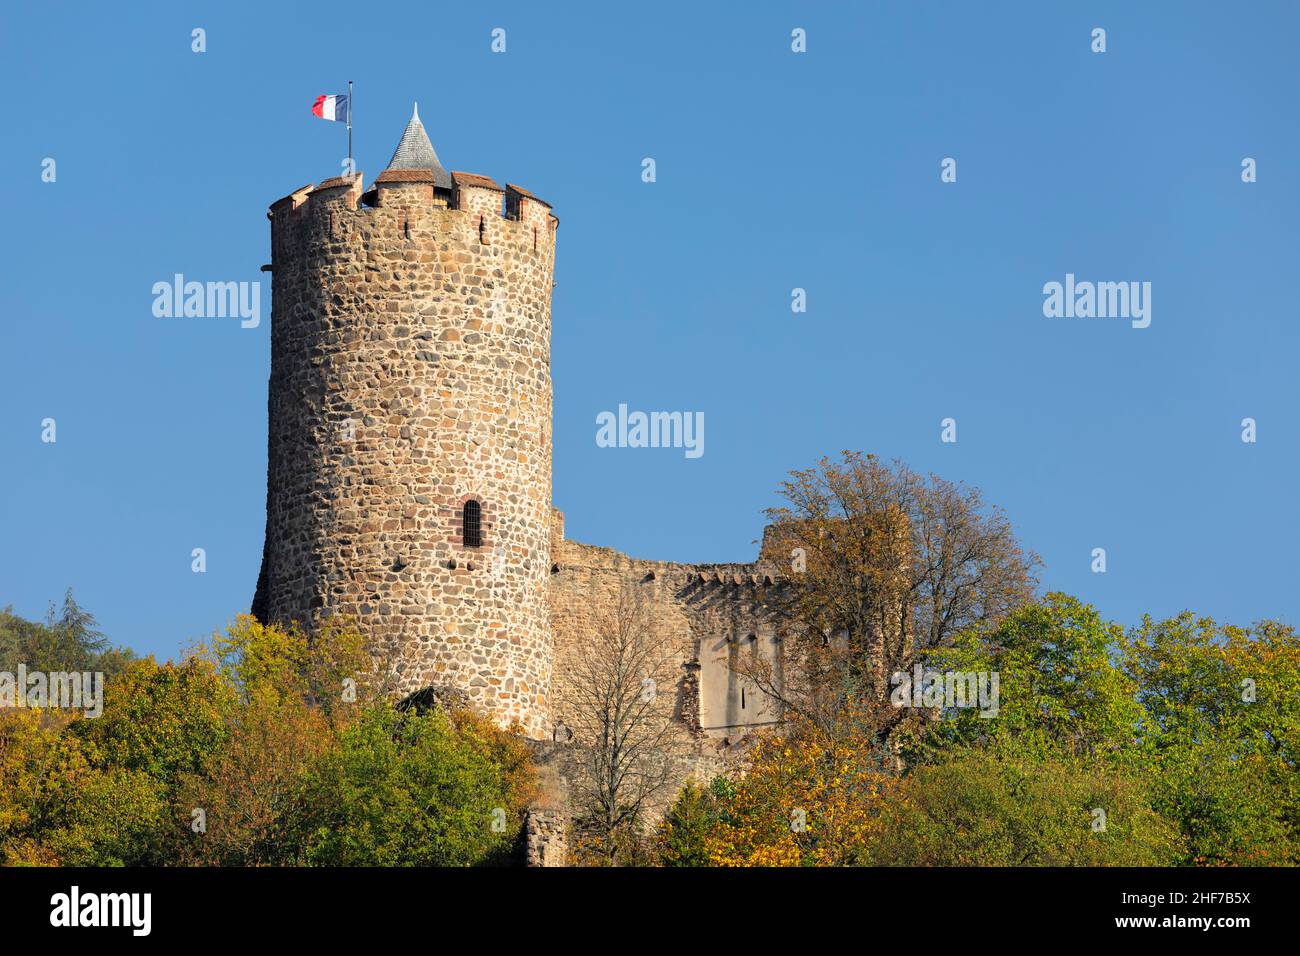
{"points": [[729, 697]]}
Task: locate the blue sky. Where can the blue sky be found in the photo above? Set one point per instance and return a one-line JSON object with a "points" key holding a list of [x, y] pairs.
{"points": [[775, 170]]}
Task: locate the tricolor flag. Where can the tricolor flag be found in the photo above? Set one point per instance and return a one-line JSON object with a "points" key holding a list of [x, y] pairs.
{"points": [[334, 107]]}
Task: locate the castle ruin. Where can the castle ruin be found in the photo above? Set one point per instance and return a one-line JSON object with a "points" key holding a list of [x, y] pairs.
{"points": [[409, 458]]}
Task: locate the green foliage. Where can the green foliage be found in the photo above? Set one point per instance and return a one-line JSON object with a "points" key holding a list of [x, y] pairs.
{"points": [[55, 807], [110, 817], [688, 822], [1232, 811], [252, 794], [405, 789], [1220, 731], [162, 720], [68, 640], [1007, 806], [36, 759], [261, 731], [1058, 680], [1184, 733], [256, 659]]}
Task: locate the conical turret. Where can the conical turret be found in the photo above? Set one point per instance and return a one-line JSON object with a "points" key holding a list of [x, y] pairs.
{"points": [[415, 153]]}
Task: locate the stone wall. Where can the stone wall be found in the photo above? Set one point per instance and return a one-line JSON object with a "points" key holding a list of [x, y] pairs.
{"points": [[546, 836], [706, 613], [410, 372]]}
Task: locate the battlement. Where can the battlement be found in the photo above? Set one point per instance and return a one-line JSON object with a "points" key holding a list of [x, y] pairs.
{"points": [[342, 218], [416, 190]]}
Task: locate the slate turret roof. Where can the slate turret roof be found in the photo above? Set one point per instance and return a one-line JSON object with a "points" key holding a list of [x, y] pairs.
{"points": [[416, 153]]}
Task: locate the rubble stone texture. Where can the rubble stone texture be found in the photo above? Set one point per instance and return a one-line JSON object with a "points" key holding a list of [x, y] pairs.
{"points": [[546, 838], [410, 372]]}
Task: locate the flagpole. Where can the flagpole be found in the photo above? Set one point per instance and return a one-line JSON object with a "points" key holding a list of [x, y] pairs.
{"points": [[352, 168]]}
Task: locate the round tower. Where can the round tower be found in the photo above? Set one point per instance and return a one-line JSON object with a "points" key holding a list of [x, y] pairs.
{"points": [[409, 471]]}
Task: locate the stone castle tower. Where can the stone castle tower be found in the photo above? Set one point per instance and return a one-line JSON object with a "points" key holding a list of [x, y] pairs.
{"points": [[409, 469]]}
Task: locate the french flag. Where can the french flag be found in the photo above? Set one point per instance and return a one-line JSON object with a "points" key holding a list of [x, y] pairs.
{"points": [[332, 107]]}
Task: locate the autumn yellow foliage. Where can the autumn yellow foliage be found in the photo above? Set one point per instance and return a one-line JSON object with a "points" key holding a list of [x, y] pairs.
{"points": [[811, 797]]}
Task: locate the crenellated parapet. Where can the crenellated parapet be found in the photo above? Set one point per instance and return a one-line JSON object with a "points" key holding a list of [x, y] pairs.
{"points": [[477, 210]]}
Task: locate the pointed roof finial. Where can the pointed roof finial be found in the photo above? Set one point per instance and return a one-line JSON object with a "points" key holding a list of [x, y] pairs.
{"points": [[415, 152]]}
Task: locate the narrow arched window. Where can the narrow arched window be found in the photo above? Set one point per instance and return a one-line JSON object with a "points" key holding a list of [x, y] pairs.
{"points": [[471, 524]]}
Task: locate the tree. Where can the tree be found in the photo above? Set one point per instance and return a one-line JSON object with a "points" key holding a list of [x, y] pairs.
{"points": [[411, 789], [694, 815], [57, 809], [329, 669], [108, 816], [624, 728], [1059, 680], [293, 693], [1005, 806], [68, 640], [34, 756], [886, 565], [163, 720], [252, 794], [810, 797], [259, 732], [1220, 728], [1205, 715]]}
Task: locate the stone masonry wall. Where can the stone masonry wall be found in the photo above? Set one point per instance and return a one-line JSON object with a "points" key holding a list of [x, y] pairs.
{"points": [[693, 607], [410, 372], [546, 837]]}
